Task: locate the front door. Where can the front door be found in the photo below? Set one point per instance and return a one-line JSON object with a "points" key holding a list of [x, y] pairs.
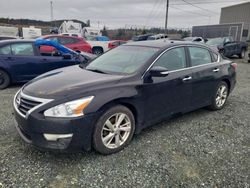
{"points": [[165, 96]]}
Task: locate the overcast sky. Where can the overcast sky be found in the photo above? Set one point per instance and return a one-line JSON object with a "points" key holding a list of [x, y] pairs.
{"points": [[118, 13]]}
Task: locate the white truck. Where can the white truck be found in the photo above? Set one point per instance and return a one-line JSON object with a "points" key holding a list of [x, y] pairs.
{"points": [[9, 32], [91, 31], [71, 28], [31, 32]]}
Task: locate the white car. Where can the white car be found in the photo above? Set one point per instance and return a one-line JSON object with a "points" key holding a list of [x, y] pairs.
{"points": [[195, 39], [98, 46]]}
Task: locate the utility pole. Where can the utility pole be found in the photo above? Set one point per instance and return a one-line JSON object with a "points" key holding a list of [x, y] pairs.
{"points": [[166, 20], [51, 12]]}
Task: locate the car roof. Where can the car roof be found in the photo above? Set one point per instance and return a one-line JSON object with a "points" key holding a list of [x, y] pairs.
{"points": [[10, 41], [163, 43], [65, 36]]}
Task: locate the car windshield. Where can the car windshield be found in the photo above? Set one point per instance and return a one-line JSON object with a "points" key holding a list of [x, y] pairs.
{"points": [[122, 60], [215, 41]]}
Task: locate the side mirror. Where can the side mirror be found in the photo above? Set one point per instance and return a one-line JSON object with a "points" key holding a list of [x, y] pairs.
{"points": [[67, 56], [158, 71]]}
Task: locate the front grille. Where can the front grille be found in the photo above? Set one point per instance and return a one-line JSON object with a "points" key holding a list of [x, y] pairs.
{"points": [[26, 105]]}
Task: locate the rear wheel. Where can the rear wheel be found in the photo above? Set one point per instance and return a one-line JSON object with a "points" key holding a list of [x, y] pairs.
{"points": [[4, 79], [220, 97], [242, 54], [114, 130]]}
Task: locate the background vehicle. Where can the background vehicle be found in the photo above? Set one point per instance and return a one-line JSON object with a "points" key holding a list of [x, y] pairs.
{"points": [[115, 43], [91, 31], [99, 44], [21, 60], [114, 97], [141, 37], [194, 39], [31, 32], [9, 31], [228, 47], [157, 37], [75, 43], [71, 27]]}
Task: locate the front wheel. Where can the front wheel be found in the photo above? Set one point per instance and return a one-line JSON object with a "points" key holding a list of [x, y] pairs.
{"points": [[220, 97], [114, 130]]}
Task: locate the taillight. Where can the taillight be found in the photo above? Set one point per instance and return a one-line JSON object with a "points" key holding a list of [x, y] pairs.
{"points": [[111, 45], [234, 65]]}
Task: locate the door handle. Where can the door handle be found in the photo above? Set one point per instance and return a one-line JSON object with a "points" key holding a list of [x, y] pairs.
{"points": [[187, 78], [8, 58], [216, 70]]}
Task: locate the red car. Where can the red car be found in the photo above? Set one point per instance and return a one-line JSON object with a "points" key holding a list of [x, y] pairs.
{"points": [[74, 43]]}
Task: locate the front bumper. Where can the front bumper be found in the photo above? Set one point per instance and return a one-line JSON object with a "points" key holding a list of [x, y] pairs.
{"points": [[33, 128]]}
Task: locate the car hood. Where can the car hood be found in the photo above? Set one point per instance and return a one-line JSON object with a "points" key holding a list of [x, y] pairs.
{"points": [[67, 81]]}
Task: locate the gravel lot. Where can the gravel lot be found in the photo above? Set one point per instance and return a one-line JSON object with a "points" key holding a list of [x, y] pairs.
{"points": [[199, 149]]}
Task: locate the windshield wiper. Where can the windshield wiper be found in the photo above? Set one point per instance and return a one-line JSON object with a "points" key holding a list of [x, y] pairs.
{"points": [[96, 70]]}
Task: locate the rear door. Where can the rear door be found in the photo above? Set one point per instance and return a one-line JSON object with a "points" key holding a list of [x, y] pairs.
{"points": [[205, 75], [23, 61]]}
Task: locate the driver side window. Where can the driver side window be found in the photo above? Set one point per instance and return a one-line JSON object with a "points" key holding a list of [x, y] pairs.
{"points": [[173, 59]]}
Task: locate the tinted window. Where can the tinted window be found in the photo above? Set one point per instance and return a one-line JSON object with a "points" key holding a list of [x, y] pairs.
{"points": [[68, 40], [123, 59], [22, 49], [6, 50], [173, 59], [199, 56], [55, 39]]}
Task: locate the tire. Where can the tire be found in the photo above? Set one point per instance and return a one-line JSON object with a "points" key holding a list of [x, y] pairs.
{"points": [[242, 54], [108, 138], [4, 79], [97, 51], [220, 96]]}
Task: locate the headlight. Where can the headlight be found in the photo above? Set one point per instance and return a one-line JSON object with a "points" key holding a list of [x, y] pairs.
{"points": [[69, 109]]}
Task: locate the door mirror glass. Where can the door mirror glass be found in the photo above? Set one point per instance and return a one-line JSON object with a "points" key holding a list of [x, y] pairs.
{"points": [[67, 56], [158, 71]]}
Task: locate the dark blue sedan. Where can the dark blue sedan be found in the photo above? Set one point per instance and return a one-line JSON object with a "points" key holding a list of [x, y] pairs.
{"points": [[21, 60]]}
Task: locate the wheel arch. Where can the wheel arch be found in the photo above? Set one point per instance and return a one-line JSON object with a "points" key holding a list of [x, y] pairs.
{"points": [[124, 102], [227, 82], [5, 70]]}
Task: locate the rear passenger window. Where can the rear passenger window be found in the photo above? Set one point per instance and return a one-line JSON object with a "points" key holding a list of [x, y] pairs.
{"points": [[199, 56], [64, 41], [22, 49], [6, 50], [173, 59]]}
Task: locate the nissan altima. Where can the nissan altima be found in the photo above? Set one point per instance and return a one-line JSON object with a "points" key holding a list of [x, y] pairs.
{"points": [[118, 94]]}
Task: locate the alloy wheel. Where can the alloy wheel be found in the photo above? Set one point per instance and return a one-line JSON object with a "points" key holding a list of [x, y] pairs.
{"points": [[116, 130], [221, 96]]}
